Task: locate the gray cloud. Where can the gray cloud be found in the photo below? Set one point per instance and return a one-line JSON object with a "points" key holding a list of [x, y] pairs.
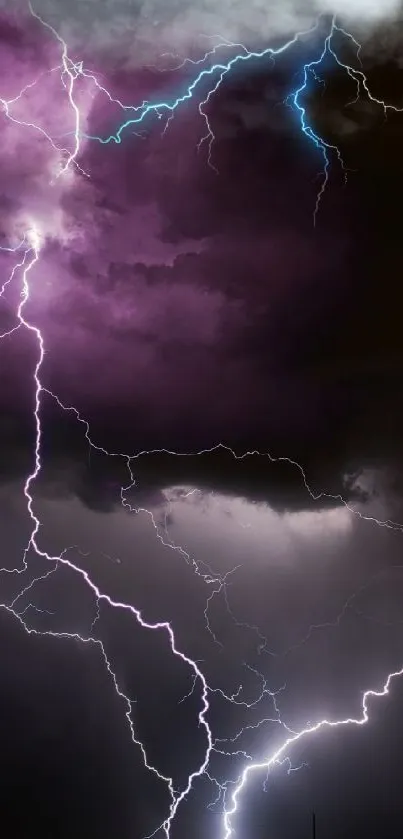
{"points": [[144, 30]]}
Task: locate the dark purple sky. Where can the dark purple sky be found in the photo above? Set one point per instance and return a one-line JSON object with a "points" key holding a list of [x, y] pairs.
{"points": [[189, 307]]}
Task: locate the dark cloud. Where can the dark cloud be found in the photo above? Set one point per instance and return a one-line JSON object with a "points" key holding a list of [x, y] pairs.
{"points": [[227, 317]]}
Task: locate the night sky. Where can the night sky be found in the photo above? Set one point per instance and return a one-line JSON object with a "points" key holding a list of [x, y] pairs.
{"points": [[201, 413]]}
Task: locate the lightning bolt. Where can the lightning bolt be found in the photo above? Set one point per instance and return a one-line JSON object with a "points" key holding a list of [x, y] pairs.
{"points": [[71, 71], [31, 246], [281, 752], [219, 70], [30, 259], [215, 73]]}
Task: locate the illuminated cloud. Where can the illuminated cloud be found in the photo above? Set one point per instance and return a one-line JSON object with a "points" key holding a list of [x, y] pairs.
{"points": [[253, 530], [137, 34]]}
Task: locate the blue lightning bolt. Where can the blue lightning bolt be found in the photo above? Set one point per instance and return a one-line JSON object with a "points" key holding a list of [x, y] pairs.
{"points": [[218, 69], [216, 72]]}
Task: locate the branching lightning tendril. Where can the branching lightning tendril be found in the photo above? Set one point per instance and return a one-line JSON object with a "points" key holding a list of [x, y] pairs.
{"points": [[28, 252]]}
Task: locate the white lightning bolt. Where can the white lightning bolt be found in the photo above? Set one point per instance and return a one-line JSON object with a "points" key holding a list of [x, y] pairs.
{"points": [[282, 752]]}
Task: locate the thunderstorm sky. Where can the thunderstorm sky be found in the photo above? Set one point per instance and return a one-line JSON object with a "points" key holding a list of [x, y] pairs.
{"points": [[201, 404]]}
